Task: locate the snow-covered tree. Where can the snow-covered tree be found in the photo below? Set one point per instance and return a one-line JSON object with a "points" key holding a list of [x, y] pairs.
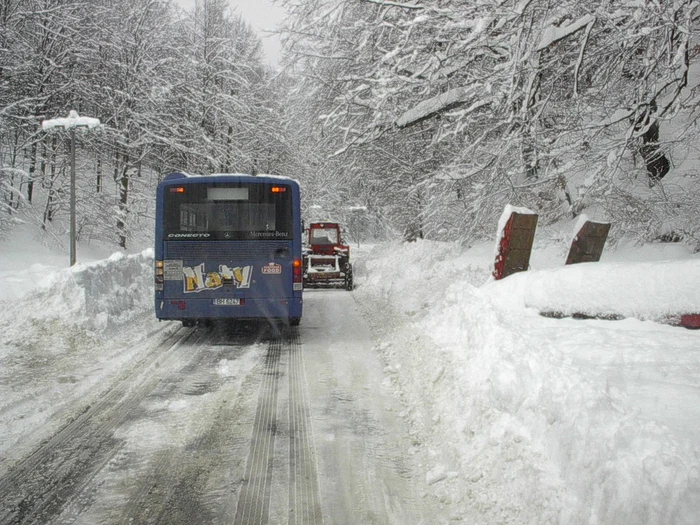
{"points": [[174, 91], [37, 45], [519, 101]]}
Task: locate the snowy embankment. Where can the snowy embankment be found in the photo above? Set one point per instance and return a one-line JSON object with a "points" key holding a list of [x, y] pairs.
{"points": [[100, 296], [519, 418], [63, 338], [647, 291], [515, 418]]}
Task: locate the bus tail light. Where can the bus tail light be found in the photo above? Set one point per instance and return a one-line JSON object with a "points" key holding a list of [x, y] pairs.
{"points": [[158, 276], [296, 271]]}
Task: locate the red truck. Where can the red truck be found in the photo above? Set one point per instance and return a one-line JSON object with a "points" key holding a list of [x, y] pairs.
{"points": [[326, 258]]}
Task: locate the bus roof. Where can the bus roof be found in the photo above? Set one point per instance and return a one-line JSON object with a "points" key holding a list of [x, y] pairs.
{"points": [[237, 176]]}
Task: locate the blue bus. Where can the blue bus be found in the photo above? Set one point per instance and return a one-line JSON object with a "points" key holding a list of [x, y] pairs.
{"points": [[228, 247]]}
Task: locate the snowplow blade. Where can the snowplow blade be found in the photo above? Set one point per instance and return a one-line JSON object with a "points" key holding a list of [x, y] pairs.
{"points": [[324, 271]]}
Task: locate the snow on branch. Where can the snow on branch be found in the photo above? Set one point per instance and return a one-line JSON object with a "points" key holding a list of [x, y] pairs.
{"points": [[395, 4], [579, 62], [521, 6], [438, 104], [553, 34]]}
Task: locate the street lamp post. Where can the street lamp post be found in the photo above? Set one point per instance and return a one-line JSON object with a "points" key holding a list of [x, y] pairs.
{"points": [[73, 121], [73, 254]]}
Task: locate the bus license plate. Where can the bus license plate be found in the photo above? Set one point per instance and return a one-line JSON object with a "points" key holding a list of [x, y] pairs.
{"points": [[228, 301]]}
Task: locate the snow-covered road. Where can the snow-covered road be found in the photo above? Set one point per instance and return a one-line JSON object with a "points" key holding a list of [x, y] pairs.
{"points": [[463, 405], [363, 446], [229, 425]]}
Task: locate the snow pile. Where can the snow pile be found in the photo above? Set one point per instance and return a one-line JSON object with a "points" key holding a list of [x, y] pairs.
{"points": [[515, 418], [103, 295], [660, 291], [523, 419], [118, 290], [66, 336]]}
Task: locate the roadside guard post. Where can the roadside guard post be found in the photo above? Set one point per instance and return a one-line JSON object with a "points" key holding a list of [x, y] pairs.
{"points": [[588, 242], [515, 241], [690, 321]]}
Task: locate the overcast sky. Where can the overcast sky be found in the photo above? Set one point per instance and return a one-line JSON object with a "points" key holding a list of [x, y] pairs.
{"points": [[262, 15]]}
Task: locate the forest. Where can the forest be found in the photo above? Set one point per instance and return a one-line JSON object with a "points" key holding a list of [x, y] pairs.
{"points": [[403, 119]]}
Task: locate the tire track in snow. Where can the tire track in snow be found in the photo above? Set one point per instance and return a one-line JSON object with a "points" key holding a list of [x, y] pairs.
{"points": [[175, 490], [41, 485], [254, 498], [304, 494]]}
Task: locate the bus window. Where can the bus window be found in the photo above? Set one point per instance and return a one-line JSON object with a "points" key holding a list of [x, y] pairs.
{"points": [[229, 212]]}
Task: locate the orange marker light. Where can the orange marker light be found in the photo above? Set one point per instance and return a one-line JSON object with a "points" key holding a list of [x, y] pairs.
{"points": [[278, 189], [179, 189], [297, 263]]}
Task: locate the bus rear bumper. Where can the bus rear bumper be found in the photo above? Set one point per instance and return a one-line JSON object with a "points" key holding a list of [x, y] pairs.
{"points": [[252, 309]]}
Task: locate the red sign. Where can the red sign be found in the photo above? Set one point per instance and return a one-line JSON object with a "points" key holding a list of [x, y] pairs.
{"points": [[272, 269]]}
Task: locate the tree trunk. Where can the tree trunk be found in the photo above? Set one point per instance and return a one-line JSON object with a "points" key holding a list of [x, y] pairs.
{"points": [[229, 150], [656, 162], [414, 229], [42, 168], [51, 195], [123, 203], [48, 209], [99, 175], [12, 199], [32, 169], [116, 166]]}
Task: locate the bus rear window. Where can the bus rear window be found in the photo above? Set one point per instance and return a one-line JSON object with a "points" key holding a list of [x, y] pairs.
{"points": [[227, 211]]}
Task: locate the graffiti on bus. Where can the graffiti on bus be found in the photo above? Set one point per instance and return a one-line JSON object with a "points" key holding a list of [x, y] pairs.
{"points": [[196, 279]]}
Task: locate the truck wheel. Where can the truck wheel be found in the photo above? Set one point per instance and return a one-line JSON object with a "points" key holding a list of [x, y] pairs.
{"points": [[348, 280], [294, 321]]}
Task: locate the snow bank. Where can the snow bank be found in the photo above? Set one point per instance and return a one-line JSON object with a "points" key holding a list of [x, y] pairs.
{"points": [[515, 418], [104, 295], [522, 419], [659, 291], [65, 337]]}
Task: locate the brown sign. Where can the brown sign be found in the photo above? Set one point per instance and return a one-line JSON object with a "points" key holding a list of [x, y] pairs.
{"points": [[588, 243], [515, 246]]}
